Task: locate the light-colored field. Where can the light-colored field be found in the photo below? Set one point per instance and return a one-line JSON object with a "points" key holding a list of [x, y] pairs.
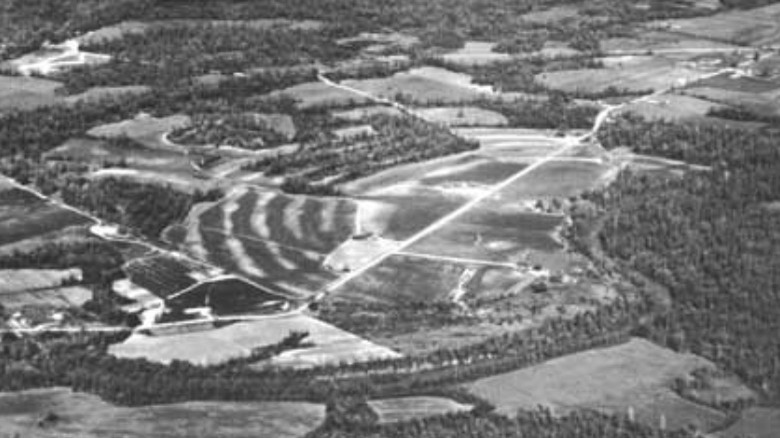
{"points": [[363, 113], [637, 375], [98, 93], [24, 216], [754, 423], [409, 408], [66, 296], [660, 41], [317, 94], [760, 103], [24, 93], [757, 27], [18, 280], [635, 73], [560, 178], [212, 346], [145, 129], [462, 116], [86, 416], [424, 84], [670, 107], [476, 53]]}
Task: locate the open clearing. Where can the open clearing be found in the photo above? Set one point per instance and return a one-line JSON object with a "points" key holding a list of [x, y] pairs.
{"points": [[756, 27], [476, 53], [55, 58], [216, 345], [636, 374], [145, 129], [86, 416], [362, 113], [41, 287], [23, 215], [660, 41], [317, 94], [24, 93], [27, 93], [634, 73], [462, 116], [425, 84], [670, 107], [391, 410], [754, 423]]}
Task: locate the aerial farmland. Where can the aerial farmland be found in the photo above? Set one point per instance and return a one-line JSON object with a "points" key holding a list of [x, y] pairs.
{"points": [[349, 219]]}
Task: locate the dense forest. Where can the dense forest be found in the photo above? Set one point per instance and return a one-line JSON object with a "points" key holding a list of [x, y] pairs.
{"points": [[165, 55], [146, 208], [318, 166], [539, 424], [711, 237]]}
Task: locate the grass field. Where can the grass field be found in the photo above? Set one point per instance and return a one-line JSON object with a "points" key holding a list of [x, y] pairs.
{"points": [[635, 73], [757, 27], [637, 374], [25, 93], [754, 423], [560, 178], [144, 129], [362, 113], [476, 53], [86, 416], [670, 107], [22, 216], [409, 408], [327, 344], [61, 297], [41, 287], [505, 235], [425, 84], [660, 41], [765, 104], [462, 116], [318, 94]]}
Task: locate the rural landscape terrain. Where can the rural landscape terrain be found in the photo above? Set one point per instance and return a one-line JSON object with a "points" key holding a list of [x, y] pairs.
{"points": [[401, 218]]}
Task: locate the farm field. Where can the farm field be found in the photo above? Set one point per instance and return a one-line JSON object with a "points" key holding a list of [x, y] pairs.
{"points": [[25, 93], [462, 116], [362, 113], [133, 156], [268, 236], [505, 235], [408, 408], [19, 280], [164, 275], [86, 416], [228, 296], [425, 84], [326, 343], [634, 73], [637, 374], [661, 42], [476, 53], [144, 129], [317, 95], [23, 215], [755, 422], [755, 27], [557, 179], [671, 107], [63, 296]]}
